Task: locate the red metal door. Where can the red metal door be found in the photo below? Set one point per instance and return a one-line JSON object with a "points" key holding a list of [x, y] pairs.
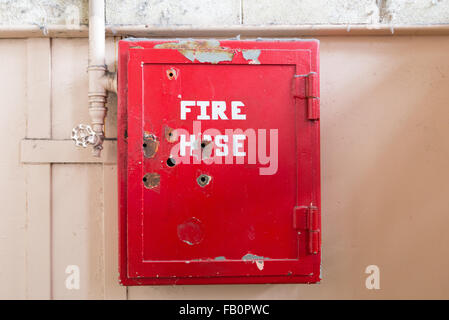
{"points": [[219, 162]]}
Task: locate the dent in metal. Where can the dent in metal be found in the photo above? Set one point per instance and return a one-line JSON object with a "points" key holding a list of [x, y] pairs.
{"points": [[252, 56], [151, 180], [205, 51], [150, 145], [190, 231]]}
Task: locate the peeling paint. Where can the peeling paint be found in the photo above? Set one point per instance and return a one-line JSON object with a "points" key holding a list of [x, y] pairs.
{"points": [[150, 145], [205, 51], [250, 257], [259, 260], [220, 258], [191, 231], [214, 56], [252, 56]]}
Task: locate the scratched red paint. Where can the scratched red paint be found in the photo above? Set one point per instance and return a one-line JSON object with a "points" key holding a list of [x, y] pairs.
{"points": [[256, 220]]}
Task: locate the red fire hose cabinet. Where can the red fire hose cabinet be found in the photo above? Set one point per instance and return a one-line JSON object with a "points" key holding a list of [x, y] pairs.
{"points": [[219, 162]]}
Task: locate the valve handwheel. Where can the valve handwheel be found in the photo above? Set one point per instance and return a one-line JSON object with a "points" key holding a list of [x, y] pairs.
{"points": [[83, 135]]}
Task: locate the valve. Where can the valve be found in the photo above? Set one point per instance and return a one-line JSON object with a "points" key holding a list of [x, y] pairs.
{"points": [[83, 135]]}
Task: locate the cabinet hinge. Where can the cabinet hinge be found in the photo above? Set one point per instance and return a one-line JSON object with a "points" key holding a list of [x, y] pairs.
{"points": [[308, 218], [305, 86]]}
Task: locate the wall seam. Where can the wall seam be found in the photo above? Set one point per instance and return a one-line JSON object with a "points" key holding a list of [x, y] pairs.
{"points": [[51, 88], [241, 12], [27, 214], [51, 175], [384, 13], [51, 232]]}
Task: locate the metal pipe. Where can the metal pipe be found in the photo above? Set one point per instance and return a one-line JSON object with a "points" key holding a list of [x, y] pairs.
{"points": [[62, 31], [96, 71], [100, 82]]}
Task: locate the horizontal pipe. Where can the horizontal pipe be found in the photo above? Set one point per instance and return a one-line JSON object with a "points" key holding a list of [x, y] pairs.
{"points": [[63, 31]]}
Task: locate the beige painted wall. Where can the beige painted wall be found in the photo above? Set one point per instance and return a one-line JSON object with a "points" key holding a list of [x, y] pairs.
{"points": [[385, 182]]}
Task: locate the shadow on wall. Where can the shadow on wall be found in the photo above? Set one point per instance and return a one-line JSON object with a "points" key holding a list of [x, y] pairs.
{"points": [[384, 169], [385, 163]]}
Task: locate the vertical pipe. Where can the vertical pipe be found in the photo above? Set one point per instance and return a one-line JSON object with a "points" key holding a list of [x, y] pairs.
{"points": [[96, 71], [96, 32]]}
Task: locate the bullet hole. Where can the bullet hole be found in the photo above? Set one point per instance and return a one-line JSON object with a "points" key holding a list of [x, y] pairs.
{"points": [[203, 180], [205, 143], [151, 180], [206, 149], [150, 145], [171, 162], [170, 135], [172, 74]]}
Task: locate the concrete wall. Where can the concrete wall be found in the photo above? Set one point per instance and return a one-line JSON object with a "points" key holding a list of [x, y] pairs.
{"points": [[229, 12]]}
